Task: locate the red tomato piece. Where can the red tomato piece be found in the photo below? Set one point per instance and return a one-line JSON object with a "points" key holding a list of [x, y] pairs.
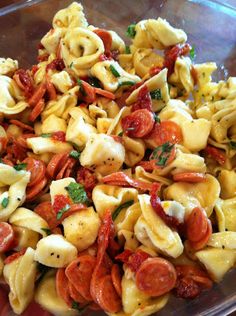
{"points": [[157, 207], [154, 71], [116, 278], [87, 92], [172, 53], [60, 201], [166, 131], [215, 153], [14, 256], [56, 64], [124, 256], [24, 81], [136, 259], [62, 286], [79, 272], [60, 136], [191, 177], [156, 276], [107, 296], [6, 237], [87, 178], [138, 124], [144, 100], [196, 225], [107, 40]]}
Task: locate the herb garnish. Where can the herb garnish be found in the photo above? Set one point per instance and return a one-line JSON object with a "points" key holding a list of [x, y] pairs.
{"points": [[93, 81], [121, 133], [46, 230], [156, 94], [232, 144], [77, 193], [46, 135], [20, 166], [126, 83], [5, 202], [192, 53], [162, 153], [71, 64], [82, 90], [62, 211], [75, 305], [156, 118], [131, 30], [74, 154], [114, 71], [127, 49], [121, 207]]}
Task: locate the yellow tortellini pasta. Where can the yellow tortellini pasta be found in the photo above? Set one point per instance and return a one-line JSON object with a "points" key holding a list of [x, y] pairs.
{"points": [[62, 81], [42, 145], [20, 275], [8, 66], [226, 214], [52, 124]]}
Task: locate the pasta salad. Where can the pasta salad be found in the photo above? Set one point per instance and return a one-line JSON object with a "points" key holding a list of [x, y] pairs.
{"points": [[117, 171]]}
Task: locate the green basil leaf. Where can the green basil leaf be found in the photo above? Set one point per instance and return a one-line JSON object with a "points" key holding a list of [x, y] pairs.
{"points": [[46, 135], [5, 202], [192, 53], [20, 166], [121, 134], [93, 81], [126, 83], [114, 71], [127, 49], [121, 207], [156, 118], [131, 30], [62, 211], [77, 193], [71, 65], [162, 153], [74, 154], [156, 94]]}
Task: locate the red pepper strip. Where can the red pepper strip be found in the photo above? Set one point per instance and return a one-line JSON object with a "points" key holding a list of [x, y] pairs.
{"points": [[217, 154]]}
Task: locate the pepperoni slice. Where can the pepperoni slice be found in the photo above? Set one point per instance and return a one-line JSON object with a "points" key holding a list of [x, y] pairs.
{"points": [[191, 177], [156, 276], [87, 92], [22, 125], [60, 136], [104, 93], [116, 278], [107, 296], [6, 236], [37, 110], [62, 286], [79, 272], [87, 178], [106, 38], [37, 95], [144, 100], [55, 164], [202, 242], [166, 131], [46, 211], [15, 256], [34, 191], [51, 90], [104, 235], [217, 154], [138, 124], [75, 295], [197, 225], [37, 170]]}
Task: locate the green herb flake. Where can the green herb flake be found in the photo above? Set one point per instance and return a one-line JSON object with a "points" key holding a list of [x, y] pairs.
{"points": [[156, 94], [71, 65], [77, 193], [162, 154], [156, 118], [82, 90], [192, 53], [74, 154], [5, 202], [75, 305], [131, 30], [114, 71], [20, 166], [127, 49], [232, 144], [121, 207], [46, 135], [121, 133], [62, 211], [46, 230], [93, 81], [126, 83]]}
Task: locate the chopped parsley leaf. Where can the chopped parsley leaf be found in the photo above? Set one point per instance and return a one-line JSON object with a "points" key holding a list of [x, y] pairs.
{"points": [[131, 30], [121, 207], [127, 49], [192, 53], [114, 71], [20, 166], [82, 90], [71, 65], [62, 211], [232, 144], [121, 134], [126, 83], [162, 153], [156, 118], [5, 202], [77, 193], [46, 135], [74, 154], [156, 94], [46, 230], [75, 305]]}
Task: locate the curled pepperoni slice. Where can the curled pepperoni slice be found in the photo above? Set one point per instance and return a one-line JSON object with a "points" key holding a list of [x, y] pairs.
{"points": [[55, 164], [75, 295], [107, 40], [34, 191], [202, 242], [15, 256], [138, 124], [215, 153], [46, 211], [79, 272], [156, 276], [87, 92], [166, 131], [22, 125], [116, 278], [37, 95], [37, 170], [191, 177], [104, 93], [196, 225], [37, 110], [62, 286], [6, 236], [107, 296]]}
